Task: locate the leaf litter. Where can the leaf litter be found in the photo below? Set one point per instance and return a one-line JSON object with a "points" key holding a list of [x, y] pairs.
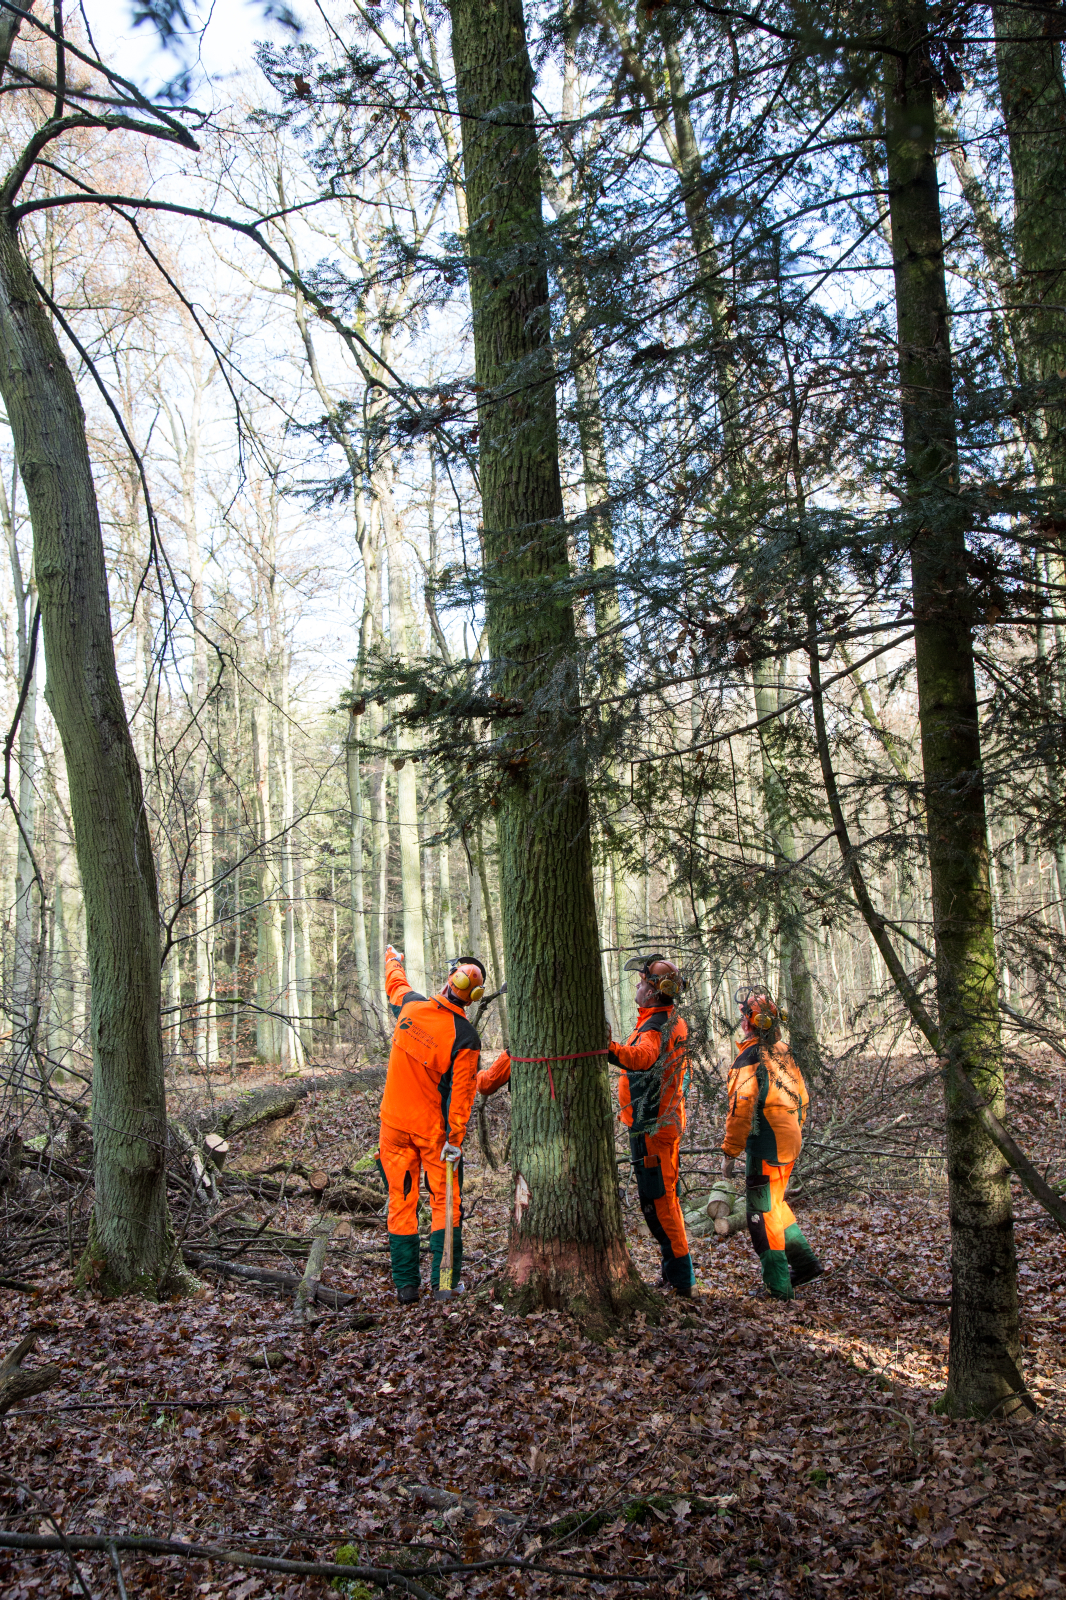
{"points": [[740, 1447]]}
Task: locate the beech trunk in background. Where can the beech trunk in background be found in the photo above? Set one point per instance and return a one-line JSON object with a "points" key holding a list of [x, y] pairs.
{"points": [[984, 1354], [130, 1242], [567, 1240]]}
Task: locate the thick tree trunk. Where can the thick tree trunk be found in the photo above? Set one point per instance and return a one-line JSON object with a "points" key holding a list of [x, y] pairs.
{"points": [[567, 1240], [984, 1357], [130, 1240], [1033, 95]]}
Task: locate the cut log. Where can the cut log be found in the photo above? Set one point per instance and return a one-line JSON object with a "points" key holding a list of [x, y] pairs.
{"points": [[280, 1282], [216, 1149], [342, 1233], [16, 1385], [318, 1182], [274, 1100]]}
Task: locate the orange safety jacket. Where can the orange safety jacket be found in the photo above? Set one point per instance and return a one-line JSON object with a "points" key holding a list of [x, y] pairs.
{"points": [[768, 1103], [654, 1059], [433, 1063], [489, 1079]]}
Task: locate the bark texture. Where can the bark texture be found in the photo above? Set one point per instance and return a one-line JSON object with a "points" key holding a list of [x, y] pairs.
{"points": [[567, 1241], [984, 1357], [130, 1241]]}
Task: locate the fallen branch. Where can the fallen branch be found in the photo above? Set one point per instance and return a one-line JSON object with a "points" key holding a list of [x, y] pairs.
{"points": [[130, 1405], [336, 1299], [16, 1385], [384, 1577]]}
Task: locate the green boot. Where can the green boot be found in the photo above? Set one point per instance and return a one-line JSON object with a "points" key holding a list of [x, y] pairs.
{"points": [[803, 1264], [403, 1253], [774, 1264], [436, 1246]]}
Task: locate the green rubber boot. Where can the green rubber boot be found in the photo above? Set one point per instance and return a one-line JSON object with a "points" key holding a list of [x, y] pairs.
{"points": [[803, 1264], [436, 1246], [775, 1274], [403, 1253]]}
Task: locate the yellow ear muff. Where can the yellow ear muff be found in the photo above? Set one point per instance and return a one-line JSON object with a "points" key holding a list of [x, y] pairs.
{"points": [[668, 987], [475, 994], [461, 981]]}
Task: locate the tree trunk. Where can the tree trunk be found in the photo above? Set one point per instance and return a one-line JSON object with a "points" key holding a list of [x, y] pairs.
{"points": [[447, 924], [268, 917], [1033, 95], [379, 833], [24, 979], [186, 438], [567, 1239], [357, 868], [567, 202], [304, 961], [795, 969], [130, 1241], [984, 1356], [292, 1052], [400, 630]]}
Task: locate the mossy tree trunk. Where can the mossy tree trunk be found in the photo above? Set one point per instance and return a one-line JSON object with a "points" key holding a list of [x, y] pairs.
{"points": [[985, 1351], [567, 1241], [130, 1242]]}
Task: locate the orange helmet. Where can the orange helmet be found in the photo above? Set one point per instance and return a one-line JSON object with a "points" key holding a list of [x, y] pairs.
{"points": [[665, 978], [466, 980]]}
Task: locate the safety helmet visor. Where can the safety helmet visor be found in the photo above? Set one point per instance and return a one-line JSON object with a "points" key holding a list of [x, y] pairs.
{"points": [[662, 974]]}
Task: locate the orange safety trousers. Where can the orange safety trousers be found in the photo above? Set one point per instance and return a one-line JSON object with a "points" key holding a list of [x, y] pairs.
{"points": [[656, 1166], [767, 1228], [405, 1156]]}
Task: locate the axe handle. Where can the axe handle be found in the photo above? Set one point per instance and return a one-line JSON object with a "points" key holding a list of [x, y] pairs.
{"points": [[447, 1257]]}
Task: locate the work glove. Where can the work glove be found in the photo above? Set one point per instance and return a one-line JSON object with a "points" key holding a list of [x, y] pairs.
{"points": [[391, 950], [728, 1163], [451, 1152], [612, 1055]]}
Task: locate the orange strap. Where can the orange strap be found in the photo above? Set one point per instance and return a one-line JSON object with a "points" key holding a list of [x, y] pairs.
{"points": [[580, 1055]]}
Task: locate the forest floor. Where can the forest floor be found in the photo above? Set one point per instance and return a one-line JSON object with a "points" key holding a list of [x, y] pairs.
{"points": [[740, 1447]]}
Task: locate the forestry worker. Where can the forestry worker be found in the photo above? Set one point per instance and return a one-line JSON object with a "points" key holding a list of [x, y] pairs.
{"points": [[768, 1102], [651, 1097], [429, 1091]]}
